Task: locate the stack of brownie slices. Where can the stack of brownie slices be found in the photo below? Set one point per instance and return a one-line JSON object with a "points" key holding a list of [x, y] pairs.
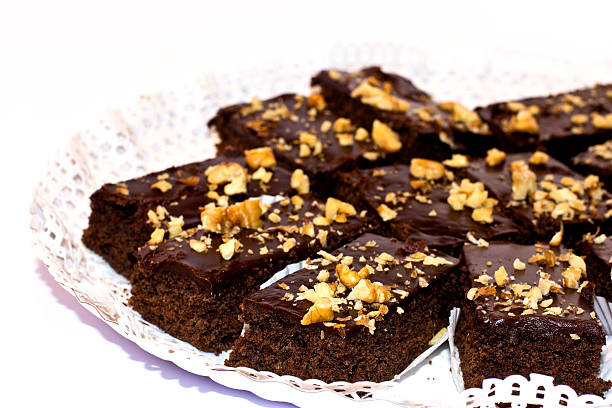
{"points": [[401, 207]]}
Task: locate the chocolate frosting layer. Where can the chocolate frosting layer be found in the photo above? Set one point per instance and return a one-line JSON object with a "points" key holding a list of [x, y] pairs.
{"points": [[570, 312], [188, 194], [403, 277], [280, 123], [259, 248], [426, 215]]}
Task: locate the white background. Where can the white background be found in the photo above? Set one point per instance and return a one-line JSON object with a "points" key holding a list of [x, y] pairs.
{"points": [[62, 63]]}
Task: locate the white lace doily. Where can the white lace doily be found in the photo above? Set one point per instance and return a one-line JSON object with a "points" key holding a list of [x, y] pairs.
{"points": [[169, 128]]}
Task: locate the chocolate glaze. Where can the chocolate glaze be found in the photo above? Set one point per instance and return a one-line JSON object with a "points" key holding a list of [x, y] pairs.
{"points": [[498, 180], [604, 250], [214, 274], [252, 131], [447, 229], [461, 137], [538, 325], [555, 125], [396, 276], [589, 162], [186, 200]]}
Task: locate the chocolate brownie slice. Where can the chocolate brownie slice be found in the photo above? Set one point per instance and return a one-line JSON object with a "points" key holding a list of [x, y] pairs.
{"points": [[530, 310], [598, 252], [543, 194], [123, 215], [428, 128], [596, 160], [360, 313], [192, 285], [423, 201], [561, 124], [305, 134]]}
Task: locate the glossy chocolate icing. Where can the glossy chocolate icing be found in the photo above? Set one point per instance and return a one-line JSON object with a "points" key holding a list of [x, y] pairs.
{"points": [[396, 276], [499, 322], [213, 273], [188, 200], [414, 222]]}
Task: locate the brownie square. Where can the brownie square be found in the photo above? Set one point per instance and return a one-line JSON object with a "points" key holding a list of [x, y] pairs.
{"points": [[596, 160], [191, 286], [305, 134], [598, 252], [360, 313], [424, 202], [530, 309], [561, 124], [123, 215], [428, 128], [541, 193]]}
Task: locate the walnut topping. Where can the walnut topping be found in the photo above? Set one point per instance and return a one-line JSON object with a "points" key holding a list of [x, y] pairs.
{"points": [[198, 246], [426, 169], [577, 262], [574, 336], [372, 95], [501, 276], [523, 121], [369, 292], [475, 196], [161, 185], [600, 239], [483, 215], [189, 181], [557, 238], [579, 119], [495, 157], [571, 277], [518, 265], [343, 125], [175, 226], [232, 173], [345, 139], [289, 244], [300, 181], [437, 336], [338, 211], [538, 158], [603, 151], [474, 293], [386, 213], [229, 248], [461, 114], [246, 214], [256, 106], [259, 157], [515, 106], [262, 175], [350, 278], [320, 311], [523, 180], [317, 101], [435, 261], [323, 275], [385, 138], [458, 161], [361, 135], [602, 121], [157, 237]]}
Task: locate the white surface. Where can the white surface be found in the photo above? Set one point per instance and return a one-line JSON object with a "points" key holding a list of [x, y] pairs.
{"points": [[62, 63]]}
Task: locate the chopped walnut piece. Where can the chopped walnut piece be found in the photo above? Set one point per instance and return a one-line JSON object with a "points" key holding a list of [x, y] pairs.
{"points": [[437, 336], [345, 139], [523, 180], [229, 248], [385, 138], [369, 292], [372, 95], [256, 106], [524, 122], [157, 237], [474, 293], [323, 276], [343, 125], [495, 157], [501, 276], [386, 213], [557, 238], [426, 169], [338, 211], [515, 106], [602, 121], [546, 286], [579, 119], [320, 311], [246, 214], [161, 185], [189, 181], [198, 246], [600, 239], [546, 303], [483, 215], [457, 161], [175, 226], [361, 135], [262, 175], [577, 262], [232, 173], [574, 336], [300, 181], [317, 101], [289, 244], [518, 265], [260, 157], [350, 278], [538, 158]]}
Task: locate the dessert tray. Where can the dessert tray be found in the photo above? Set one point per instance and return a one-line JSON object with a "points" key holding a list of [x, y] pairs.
{"points": [[168, 128]]}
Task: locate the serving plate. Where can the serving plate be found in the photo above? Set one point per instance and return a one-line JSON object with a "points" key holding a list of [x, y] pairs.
{"points": [[168, 128]]}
